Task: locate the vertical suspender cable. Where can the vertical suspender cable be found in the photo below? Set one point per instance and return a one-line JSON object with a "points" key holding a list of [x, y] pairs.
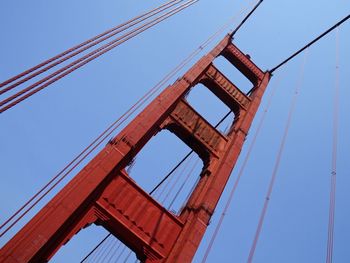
{"points": [[330, 241], [110, 259], [122, 252], [128, 256], [277, 163], [108, 251], [240, 173], [172, 186], [183, 184]]}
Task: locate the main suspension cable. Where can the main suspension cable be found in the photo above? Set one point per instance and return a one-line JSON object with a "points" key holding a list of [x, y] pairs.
{"points": [[311, 43], [277, 163], [118, 28], [246, 18]]}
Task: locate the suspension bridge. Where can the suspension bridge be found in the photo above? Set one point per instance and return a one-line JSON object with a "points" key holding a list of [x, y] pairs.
{"points": [[283, 184]]}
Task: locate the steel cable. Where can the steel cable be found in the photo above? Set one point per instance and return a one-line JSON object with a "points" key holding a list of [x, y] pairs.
{"points": [[128, 256], [55, 76], [156, 187], [277, 163], [115, 251], [183, 184], [106, 133], [109, 251], [240, 173], [97, 142], [109, 130], [161, 182], [332, 196], [119, 27], [172, 186], [94, 249], [311, 43], [164, 200]]}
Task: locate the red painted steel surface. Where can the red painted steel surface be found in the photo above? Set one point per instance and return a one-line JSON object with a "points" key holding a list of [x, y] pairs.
{"points": [[102, 192]]}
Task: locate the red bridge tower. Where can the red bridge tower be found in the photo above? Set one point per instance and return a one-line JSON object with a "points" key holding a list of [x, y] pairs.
{"points": [[102, 193]]}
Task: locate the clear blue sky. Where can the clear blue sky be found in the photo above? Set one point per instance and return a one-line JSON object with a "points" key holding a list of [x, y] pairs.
{"points": [[41, 135]]}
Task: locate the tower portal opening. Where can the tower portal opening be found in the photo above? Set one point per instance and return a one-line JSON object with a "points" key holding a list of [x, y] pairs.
{"points": [[233, 74], [210, 107], [156, 160]]}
